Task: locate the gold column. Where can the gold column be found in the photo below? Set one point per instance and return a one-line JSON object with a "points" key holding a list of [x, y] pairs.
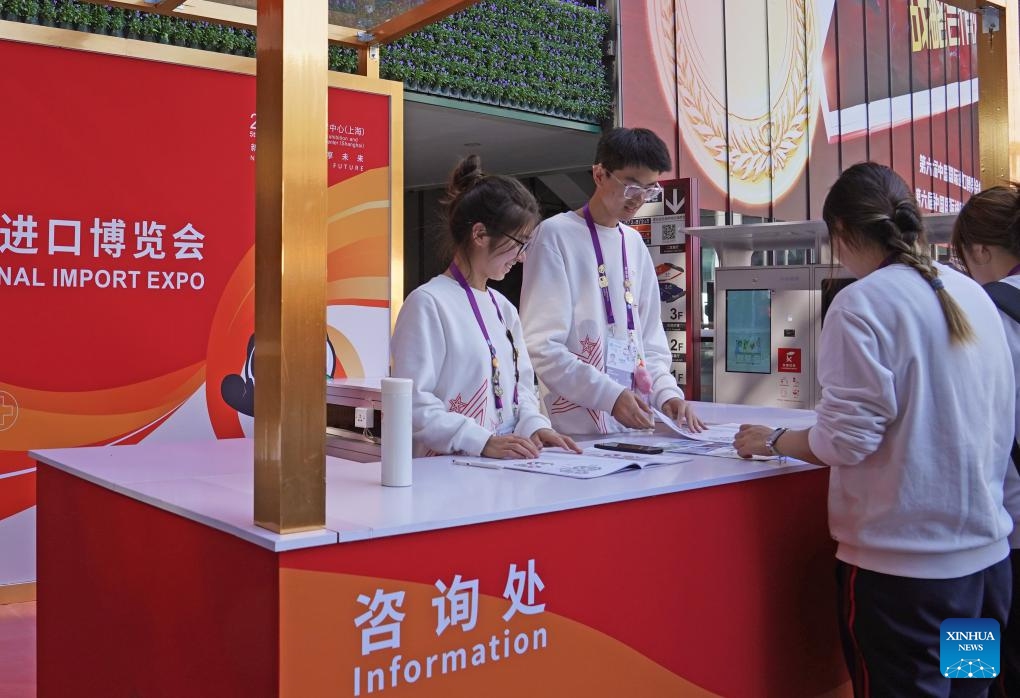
{"points": [[998, 115], [1012, 36], [290, 265], [993, 107], [368, 61]]}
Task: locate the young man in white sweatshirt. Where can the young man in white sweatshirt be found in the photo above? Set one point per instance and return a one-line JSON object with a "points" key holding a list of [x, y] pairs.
{"points": [[590, 301]]}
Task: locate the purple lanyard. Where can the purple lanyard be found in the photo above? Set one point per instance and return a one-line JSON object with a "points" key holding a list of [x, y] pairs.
{"points": [[628, 297], [497, 390], [1014, 271]]}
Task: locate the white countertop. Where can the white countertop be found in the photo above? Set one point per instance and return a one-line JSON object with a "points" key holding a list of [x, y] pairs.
{"points": [[212, 482]]}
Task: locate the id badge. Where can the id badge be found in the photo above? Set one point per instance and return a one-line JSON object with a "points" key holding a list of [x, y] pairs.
{"points": [[506, 428], [621, 358]]}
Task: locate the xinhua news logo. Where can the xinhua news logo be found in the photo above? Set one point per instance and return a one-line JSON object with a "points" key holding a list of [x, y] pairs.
{"points": [[969, 648]]}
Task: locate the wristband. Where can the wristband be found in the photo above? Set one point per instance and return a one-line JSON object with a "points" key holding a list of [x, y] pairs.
{"points": [[770, 441]]}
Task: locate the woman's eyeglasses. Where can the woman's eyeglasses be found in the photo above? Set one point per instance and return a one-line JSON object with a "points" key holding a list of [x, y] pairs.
{"points": [[524, 244]]}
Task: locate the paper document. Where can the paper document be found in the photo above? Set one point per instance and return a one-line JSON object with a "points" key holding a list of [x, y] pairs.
{"points": [[719, 433], [705, 448], [591, 463], [715, 440]]}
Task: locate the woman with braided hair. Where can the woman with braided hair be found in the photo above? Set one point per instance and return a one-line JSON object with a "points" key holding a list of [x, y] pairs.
{"points": [[916, 420]]}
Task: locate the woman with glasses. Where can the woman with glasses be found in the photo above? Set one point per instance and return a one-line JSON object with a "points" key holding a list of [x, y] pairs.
{"points": [[461, 342], [590, 301]]}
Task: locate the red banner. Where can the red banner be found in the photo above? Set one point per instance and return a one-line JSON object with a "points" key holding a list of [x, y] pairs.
{"points": [[126, 251]]}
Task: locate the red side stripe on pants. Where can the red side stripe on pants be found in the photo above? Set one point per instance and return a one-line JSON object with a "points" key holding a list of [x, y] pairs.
{"points": [[862, 683]]}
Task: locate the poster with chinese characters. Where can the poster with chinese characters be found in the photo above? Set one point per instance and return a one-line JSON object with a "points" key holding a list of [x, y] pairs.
{"points": [[127, 257], [358, 260], [765, 101]]}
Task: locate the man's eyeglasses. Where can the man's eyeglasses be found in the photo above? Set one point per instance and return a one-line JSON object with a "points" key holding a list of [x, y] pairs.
{"points": [[636, 191]]}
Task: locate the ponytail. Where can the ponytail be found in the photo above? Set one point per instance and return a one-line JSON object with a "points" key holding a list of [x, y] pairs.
{"points": [[875, 206], [499, 203], [960, 330], [465, 175]]}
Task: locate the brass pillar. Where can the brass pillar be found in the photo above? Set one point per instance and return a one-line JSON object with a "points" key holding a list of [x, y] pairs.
{"points": [[368, 61], [290, 265], [1012, 37], [999, 75], [993, 107]]}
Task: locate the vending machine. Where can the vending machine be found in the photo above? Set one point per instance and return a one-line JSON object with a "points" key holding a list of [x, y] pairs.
{"points": [[768, 320]]}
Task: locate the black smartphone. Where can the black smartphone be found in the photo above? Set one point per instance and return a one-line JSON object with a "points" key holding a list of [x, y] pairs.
{"points": [[629, 448]]}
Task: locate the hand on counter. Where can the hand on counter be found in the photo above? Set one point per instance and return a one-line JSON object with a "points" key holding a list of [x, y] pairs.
{"points": [[750, 440], [510, 446], [631, 411], [682, 411], [548, 437], [792, 443]]}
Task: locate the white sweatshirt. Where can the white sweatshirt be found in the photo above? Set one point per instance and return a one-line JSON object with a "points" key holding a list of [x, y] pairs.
{"points": [[566, 328], [1012, 329], [437, 343], [917, 430]]}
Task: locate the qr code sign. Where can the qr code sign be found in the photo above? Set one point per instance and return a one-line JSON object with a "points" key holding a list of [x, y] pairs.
{"points": [[669, 232]]}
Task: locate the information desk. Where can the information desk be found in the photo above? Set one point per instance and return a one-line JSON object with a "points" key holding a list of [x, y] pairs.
{"points": [[712, 577]]}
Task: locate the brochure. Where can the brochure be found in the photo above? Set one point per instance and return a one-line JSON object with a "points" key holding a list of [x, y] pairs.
{"points": [[705, 448], [715, 440], [714, 433], [589, 464]]}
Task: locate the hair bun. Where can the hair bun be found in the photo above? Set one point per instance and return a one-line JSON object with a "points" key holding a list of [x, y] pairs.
{"points": [[466, 174], [908, 219]]}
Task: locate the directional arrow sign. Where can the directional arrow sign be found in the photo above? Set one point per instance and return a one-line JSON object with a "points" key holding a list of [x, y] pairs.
{"points": [[674, 202]]}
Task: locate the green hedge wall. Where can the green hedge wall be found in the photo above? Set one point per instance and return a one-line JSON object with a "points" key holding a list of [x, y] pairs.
{"points": [[541, 56]]}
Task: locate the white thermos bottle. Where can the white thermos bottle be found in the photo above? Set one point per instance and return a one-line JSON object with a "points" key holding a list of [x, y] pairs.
{"points": [[396, 432]]}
